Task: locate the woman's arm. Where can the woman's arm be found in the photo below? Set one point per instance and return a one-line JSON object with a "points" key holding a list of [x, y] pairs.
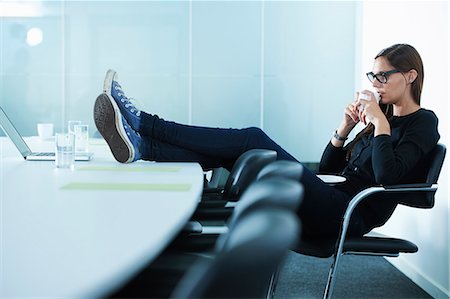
{"points": [[392, 162], [334, 156], [333, 159]]}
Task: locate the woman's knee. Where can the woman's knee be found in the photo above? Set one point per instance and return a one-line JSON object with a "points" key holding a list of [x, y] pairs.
{"points": [[255, 137], [255, 133]]}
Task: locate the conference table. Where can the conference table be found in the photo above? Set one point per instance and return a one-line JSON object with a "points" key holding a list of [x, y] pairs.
{"points": [[83, 232]]}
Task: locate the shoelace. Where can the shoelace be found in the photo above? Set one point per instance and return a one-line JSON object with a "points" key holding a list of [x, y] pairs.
{"points": [[126, 100]]}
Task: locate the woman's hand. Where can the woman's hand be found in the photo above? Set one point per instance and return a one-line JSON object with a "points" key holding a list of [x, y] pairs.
{"points": [[370, 112], [351, 113], [350, 120], [351, 117]]}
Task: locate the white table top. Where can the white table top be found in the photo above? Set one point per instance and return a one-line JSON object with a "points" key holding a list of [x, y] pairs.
{"points": [[80, 242]]}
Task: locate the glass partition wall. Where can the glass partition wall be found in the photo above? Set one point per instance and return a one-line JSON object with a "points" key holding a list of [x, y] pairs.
{"points": [[285, 66], [55, 54], [32, 63]]}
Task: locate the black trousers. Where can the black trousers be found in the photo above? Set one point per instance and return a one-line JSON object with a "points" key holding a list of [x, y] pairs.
{"points": [[323, 206]]}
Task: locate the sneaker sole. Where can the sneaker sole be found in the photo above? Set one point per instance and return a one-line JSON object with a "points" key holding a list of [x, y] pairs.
{"points": [[109, 123]]}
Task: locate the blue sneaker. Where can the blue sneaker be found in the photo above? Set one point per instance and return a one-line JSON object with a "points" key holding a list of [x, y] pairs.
{"points": [[115, 93], [123, 141]]}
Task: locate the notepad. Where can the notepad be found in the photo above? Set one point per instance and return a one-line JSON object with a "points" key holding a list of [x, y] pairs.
{"points": [[80, 186], [130, 168]]}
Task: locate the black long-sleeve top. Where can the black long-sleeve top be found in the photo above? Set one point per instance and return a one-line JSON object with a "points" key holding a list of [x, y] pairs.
{"points": [[385, 160]]}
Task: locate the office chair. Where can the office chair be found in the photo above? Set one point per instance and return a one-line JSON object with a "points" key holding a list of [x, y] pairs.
{"points": [[282, 168], [276, 192], [159, 278], [244, 172], [413, 195], [251, 252]]}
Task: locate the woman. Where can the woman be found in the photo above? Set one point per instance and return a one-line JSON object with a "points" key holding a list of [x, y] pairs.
{"points": [[389, 150]]}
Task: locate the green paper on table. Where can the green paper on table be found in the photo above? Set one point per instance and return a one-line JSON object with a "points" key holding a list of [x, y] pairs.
{"points": [[127, 187], [130, 169]]}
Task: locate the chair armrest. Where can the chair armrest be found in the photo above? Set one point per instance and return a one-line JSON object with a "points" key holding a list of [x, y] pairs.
{"points": [[412, 187], [364, 194], [385, 189], [419, 195]]}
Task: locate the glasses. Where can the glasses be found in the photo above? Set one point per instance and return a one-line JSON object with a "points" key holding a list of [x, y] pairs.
{"points": [[381, 77]]}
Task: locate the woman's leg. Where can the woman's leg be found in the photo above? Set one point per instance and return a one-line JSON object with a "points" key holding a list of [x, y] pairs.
{"points": [[155, 150], [323, 208], [127, 145], [226, 144]]}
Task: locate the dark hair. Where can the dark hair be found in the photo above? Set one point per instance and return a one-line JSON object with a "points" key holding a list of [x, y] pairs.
{"points": [[404, 58]]}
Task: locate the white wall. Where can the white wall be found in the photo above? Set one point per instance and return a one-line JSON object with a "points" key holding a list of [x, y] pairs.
{"points": [[425, 25]]}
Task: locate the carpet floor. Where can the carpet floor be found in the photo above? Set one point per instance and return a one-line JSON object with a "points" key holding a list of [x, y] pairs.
{"points": [[357, 277]]}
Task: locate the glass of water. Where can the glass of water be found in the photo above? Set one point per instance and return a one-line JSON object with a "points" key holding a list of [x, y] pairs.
{"points": [[65, 150], [81, 138], [71, 125]]}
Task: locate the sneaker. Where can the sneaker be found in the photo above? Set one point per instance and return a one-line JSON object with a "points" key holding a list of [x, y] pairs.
{"points": [[123, 141], [115, 93]]}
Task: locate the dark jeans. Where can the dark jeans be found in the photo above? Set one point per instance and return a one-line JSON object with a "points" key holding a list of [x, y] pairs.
{"points": [[323, 206]]}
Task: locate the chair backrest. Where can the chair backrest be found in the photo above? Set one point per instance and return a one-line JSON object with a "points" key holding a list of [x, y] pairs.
{"points": [[282, 168], [274, 192], [437, 157], [435, 160], [257, 245], [245, 170]]}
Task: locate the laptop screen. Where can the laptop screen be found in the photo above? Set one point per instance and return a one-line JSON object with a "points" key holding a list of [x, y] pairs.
{"points": [[12, 133]]}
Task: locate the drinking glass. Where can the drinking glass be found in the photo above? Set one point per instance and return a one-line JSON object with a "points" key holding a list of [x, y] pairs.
{"points": [[65, 150], [81, 138], [71, 125]]}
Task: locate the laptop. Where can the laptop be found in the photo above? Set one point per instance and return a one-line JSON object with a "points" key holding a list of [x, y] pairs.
{"points": [[25, 150]]}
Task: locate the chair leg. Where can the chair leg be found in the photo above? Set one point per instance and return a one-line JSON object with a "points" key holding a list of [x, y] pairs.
{"points": [[331, 277], [273, 283]]}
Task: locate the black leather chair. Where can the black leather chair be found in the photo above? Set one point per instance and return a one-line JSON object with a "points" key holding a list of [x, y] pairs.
{"points": [[251, 252], [413, 195], [276, 192], [160, 277], [214, 201], [282, 168], [244, 172]]}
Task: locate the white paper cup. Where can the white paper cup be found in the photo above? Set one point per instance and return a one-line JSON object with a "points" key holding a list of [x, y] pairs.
{"points": [[363, 96], [45, 130]]}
